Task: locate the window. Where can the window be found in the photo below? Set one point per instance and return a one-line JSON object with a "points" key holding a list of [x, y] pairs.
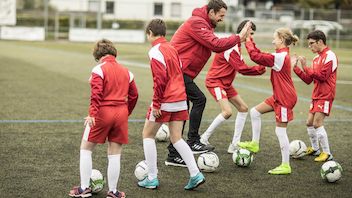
{"points": [[110, 7], [158, 9], [93, 5], [175, 9]]}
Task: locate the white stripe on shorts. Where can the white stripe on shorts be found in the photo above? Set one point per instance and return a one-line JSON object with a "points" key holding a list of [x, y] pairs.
{"points": [[218, 93], [326, 107], [86, 132], [283, 114]]}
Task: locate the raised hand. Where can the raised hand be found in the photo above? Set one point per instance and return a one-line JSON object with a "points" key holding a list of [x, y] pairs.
{"points": [[294, 60], [303, 61], [245, 31]]}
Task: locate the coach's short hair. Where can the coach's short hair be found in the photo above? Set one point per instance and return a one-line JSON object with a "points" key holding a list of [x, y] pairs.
{"points": [[102, 48], [243, 23], [317, 35], [216, 5], [157, 26]]}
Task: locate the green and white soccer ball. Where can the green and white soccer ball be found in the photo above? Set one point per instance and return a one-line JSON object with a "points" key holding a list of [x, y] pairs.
{"points": [[208, 162], [242, 157], [297, 149], [141, 170], [163, 133], [331, 171], [96, 181]]}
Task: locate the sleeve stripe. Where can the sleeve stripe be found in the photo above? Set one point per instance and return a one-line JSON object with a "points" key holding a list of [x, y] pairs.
{"points": [[155, 53], [279, 60], [97, 70], [131, 76], [331, 57]]}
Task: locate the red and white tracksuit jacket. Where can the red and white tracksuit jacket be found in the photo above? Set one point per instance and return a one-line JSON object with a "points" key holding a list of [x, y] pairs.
{"points": [[111, 85], [195, 40], [169, 89]]}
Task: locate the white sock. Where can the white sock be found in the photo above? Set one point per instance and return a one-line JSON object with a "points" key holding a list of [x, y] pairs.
{"points": [[323, 139], [239, 124], [113, 171], [284, 143], [256, 124], [85, 167], [313, 138], [186, 154], [150, 154], [216, 122]]}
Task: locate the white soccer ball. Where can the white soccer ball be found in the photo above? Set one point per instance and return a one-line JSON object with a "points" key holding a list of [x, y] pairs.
{"points": [[163, 133], [141, 170], [242, 157], [97, 181], [298, 149], [208, 162], [331, 171]]}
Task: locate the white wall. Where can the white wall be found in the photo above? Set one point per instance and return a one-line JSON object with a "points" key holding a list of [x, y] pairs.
{"points": [[93, 35], [22, 33]]}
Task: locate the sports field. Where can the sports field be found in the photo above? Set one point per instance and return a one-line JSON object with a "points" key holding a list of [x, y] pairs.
{"points": [[45, 96]]}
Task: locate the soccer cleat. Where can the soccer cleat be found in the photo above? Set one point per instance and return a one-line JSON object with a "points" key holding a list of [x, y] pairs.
{"points": [[252, 146], [77, 191], [311, 151], [198, 147], [283, 169], [323, 157], [232, 148], [118, 194], [195, 181], [146, 183], [175, 161]]}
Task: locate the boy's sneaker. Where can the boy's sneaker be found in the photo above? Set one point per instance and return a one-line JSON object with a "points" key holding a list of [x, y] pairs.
{"points": [[150, 184], [232, 148], [175, 161], [118, 194], [323, 157], [77, 191], [197, 147], [283, 169], [252, 146], [195, 181], [311, 151]]}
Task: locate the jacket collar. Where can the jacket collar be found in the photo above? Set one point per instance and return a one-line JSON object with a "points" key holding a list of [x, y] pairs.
{"points": [[159, 40]]}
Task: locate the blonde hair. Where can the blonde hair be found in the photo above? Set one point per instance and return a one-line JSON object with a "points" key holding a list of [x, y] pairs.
{"points": [[287, 35]]}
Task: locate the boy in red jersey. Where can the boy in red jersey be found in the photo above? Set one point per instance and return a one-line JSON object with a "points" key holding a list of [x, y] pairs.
{"points": [[219, 83], [284, 95], [113, 97], [169, 104], [323, 73]]}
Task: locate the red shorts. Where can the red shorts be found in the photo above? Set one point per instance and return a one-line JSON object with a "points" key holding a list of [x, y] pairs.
{"points": [[112, 123], [222, 92], [167, 116], [323, 106], [282, 114]]}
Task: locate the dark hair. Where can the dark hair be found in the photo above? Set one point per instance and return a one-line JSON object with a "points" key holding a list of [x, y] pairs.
{"points": [[317, 35], [243, 23], [102, 48], [216, 5], [157, 26]]}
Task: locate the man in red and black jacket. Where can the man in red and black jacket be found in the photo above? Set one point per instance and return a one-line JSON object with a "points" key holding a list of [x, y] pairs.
{"points": [[194, 41]]}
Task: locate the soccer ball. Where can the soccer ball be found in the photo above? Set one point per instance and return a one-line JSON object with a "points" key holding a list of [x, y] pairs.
{"points": [[141, 170], [96, 181], [208, 162], [298, 149], [242, 157], [331, 171], [163, 133]]}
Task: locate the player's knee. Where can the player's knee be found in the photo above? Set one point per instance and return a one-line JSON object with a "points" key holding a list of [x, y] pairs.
{"points": [[227, 113], [254, 113], [309, 123], [243, 108], [201, 101]]}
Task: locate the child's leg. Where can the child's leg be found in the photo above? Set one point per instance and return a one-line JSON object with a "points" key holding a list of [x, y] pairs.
{"points": [[114, 157], [85, 165]]}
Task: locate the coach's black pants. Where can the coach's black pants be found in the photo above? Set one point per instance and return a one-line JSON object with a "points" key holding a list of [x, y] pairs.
{"points": [[198, 100]]}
